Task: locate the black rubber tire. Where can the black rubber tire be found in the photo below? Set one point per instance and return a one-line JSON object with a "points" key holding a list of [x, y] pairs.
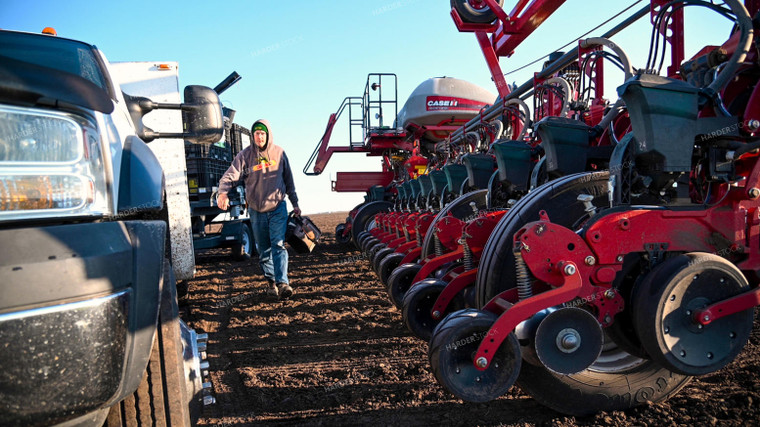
{"points": [[469, 14], [379, 256], [162, 396], [387, 265], [559, 199], [451, 349], [592, 390], [400, 281], [365, 215], [373, 250], [246, 248], [417, 304], [364, 239], [459, 208], [367, 243], [339, 237]]}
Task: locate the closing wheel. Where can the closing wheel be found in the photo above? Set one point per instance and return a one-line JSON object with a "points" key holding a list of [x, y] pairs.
{"points": [[666, 306], [340, 237], [455, 341], [387, 265], [418, 305], [379, 256], [364, 219], [617, 380], [568, 340], [400, 281]]}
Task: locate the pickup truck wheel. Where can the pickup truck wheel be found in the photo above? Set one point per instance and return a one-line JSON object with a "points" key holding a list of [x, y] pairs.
{"points": [[243, 250], [162, 396]]}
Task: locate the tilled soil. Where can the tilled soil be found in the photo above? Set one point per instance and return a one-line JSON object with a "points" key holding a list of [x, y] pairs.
{"points": [[337, 353]]}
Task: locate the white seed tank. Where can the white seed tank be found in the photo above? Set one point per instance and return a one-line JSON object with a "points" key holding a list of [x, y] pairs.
{"points": [[442, 101]]}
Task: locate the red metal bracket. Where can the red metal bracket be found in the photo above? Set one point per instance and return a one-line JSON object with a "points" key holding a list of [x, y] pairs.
{"points": [[508, 321], [406, 247], [449, 230], [452, 288], [432, 264], [394, 244], [412, 256], [728, 307]]}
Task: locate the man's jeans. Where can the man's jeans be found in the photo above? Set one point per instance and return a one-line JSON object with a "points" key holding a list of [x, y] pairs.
{"points": [[269, 233]]}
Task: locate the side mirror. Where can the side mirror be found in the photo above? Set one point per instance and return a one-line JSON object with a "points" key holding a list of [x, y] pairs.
{"points": [[202, 115], [202, 120]]}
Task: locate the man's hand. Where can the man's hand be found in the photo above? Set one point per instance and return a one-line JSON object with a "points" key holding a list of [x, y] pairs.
{"points": [[297, 211], [222, 201]]}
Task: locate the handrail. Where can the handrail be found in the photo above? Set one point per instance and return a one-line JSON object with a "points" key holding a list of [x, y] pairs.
{"points": [[321, 150]]}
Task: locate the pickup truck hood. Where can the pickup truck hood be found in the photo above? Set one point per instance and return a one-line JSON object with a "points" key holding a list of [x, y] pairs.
{"points": [[23, 83]]}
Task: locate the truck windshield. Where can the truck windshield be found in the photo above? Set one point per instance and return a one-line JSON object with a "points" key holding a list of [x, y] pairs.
{"points": [[49, 51]]}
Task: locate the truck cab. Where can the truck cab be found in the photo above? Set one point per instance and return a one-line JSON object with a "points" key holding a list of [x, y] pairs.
{"points": [[88, 312]]}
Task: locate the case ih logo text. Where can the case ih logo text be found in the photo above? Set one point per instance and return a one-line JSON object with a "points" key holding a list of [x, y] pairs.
{"points": [[443, 103]]}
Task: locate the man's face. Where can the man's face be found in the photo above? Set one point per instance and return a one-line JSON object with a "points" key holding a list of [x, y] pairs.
{"points": [[260, 138]]}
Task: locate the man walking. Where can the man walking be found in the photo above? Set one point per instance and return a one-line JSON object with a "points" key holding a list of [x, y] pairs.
{"points": [[266, 172]]}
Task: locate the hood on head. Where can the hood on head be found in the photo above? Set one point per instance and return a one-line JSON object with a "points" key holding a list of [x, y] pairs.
{"points": [[265, 122]]}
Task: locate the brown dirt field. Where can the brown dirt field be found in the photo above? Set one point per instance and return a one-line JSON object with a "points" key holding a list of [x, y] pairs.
{"points": [[337, 353]]}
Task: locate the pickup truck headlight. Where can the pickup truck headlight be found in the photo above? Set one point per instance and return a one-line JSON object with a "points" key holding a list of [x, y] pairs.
{"points": [[51, 165]]}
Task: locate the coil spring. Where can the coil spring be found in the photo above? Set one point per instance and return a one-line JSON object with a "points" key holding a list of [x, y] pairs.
{"points": [[524, 278], [467, 259], [419, 238], [438, 246]]}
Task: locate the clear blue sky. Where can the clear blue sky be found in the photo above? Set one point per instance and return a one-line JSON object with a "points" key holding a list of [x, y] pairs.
{"points": [[299, 59]]}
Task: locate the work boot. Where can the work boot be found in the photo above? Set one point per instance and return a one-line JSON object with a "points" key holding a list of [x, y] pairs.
{"points": [[285, 290], [272, 290]]}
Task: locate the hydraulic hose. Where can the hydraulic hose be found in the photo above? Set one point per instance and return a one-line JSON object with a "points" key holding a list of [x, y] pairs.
{"points": [[744, 23], [565, 60]]}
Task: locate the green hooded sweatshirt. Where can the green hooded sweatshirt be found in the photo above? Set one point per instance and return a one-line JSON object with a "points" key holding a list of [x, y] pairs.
{"points": [[266, 174]]}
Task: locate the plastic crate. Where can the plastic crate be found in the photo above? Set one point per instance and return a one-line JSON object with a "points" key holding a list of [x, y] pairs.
{"points": [[209, 151], [240, 137], [206, 173]]}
